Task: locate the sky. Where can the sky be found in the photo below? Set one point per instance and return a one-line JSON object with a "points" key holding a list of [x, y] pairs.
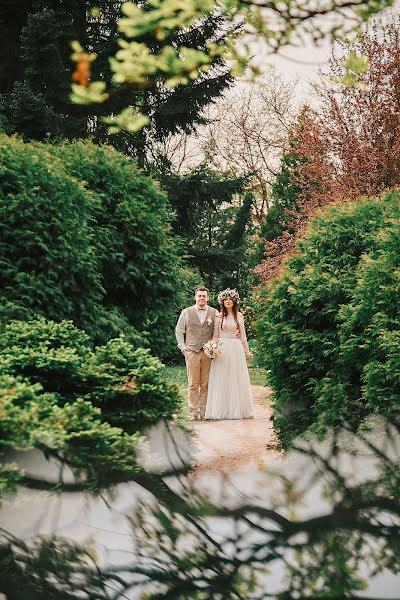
{"points": [[301, 64], [305, 62]]}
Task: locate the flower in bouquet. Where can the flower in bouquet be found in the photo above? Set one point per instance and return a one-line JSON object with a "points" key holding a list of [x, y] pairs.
{"points": [[213, 349]]}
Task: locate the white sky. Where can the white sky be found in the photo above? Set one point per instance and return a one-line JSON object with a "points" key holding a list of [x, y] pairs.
{"points": [[302, 64], [305, 62]]}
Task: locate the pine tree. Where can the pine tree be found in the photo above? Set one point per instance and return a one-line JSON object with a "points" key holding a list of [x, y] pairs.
{"points": [[34, 92], [212, 225], [284, 194]]}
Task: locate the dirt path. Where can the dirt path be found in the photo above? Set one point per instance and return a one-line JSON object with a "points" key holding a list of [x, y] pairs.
{"points": [[228, 445]]}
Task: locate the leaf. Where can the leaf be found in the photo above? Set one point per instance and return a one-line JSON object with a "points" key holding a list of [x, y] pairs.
{"points": [[356, 64]]}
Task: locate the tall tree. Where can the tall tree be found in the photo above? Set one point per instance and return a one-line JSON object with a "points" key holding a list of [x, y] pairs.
{"points": [[34, 94], [303, 184], [348, 147], [212, 224], [361, 122], [248, 131]]}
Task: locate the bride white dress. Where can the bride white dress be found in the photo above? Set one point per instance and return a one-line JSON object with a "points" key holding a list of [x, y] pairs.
{"points": [[229, 389]]}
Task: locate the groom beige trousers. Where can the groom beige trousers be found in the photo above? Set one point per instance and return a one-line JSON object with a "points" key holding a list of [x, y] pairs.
{"points": [[198, 369]]}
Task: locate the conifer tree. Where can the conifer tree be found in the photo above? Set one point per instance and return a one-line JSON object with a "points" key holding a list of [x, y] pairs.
{"points": [[209, 220], [34, 93]]}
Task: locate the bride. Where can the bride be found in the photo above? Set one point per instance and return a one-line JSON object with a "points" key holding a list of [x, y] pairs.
{"points": [[229, 390]]}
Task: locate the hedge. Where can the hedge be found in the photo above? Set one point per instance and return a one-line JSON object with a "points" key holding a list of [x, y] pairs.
{"points": [[330, 327]]}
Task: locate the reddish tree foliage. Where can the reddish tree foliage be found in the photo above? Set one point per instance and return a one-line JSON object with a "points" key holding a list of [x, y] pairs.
{"points": [[313, 176], [351, 144], [363, 124]]}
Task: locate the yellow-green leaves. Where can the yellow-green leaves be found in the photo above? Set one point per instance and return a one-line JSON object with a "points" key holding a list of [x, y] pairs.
{"points": [[94, 93], [165, 17], [138, 65], [151, 50], [128, 120], [354, 66], [135, 64], [357, 64]]}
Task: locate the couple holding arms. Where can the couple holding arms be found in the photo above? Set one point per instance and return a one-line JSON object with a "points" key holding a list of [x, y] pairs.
{"points": [[219, 388]]}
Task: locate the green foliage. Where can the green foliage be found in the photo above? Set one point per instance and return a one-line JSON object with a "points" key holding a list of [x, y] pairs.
{"points": [[285, 193], [36, 85], [329, 325], [167, 59], [127, 384], [81, 406], [10, 476], [215, 229], [137, 253], [159, 45], [75, 434], [44, 352], [86, 236], [46, 256]]}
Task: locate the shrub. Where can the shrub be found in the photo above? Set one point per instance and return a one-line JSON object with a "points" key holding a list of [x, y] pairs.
{"points": [[47, 264], [127, 384], [85, 236], [142, 273], [329, 325], [45, 352], [85, 407], [74, 434]]}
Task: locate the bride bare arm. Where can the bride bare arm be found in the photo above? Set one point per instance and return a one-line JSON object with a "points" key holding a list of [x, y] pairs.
{"points": [[217, 322], [243, 337]]}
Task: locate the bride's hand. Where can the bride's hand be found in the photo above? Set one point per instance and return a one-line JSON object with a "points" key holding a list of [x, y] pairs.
{"points": [[249, 355]]}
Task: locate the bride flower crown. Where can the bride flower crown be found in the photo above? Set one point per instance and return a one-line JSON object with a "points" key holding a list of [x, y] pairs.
{"points": [[228, 293]]}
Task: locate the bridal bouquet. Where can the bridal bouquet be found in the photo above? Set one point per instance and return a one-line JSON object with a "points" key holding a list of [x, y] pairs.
{"points": [[213, 349]]}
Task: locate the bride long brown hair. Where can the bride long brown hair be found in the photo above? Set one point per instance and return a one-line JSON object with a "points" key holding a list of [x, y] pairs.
{"points": [[224, 312]]}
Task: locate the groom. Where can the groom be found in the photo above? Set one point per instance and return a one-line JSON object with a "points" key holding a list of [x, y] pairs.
{"points": [[194, 328]]}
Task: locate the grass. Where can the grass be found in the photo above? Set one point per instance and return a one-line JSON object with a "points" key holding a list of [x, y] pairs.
{"points": [[178, 375]]}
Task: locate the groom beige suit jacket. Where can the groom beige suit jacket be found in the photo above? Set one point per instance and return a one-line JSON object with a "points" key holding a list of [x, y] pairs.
{"points": [[193, 334]]}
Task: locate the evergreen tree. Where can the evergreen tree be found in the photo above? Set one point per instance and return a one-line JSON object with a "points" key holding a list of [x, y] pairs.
{"points": [[213, 226], [85, 236], [34, 93], [284, 193]]}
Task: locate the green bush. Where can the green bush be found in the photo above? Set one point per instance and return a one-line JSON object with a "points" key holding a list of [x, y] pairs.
{"points": [[127, 384], [138, 254], [75, 434], [85, 236], [329, 326], [85, 407], [45, 352], [47, 263]]}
